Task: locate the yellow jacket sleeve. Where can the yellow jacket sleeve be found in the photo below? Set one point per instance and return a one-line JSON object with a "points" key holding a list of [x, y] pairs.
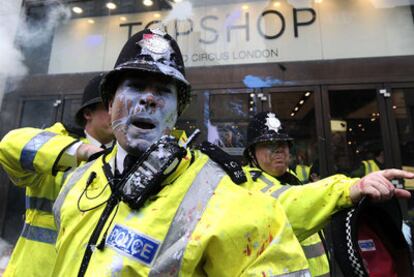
{"points": [[27, 153], [310, 206]]}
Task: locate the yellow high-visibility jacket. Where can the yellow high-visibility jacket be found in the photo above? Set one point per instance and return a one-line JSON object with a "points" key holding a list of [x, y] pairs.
{"points": [[370, 166], [199, 224], [308, 209], [302, 173], [34, 253]]}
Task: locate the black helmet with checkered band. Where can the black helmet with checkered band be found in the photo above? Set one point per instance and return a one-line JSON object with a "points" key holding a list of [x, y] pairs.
{"points": [[368, 240], [264, 127], [149, 51]]}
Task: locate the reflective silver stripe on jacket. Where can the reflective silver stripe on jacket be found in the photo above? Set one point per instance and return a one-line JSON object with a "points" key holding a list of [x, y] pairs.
{"points": [[169, 258], [300, 273], [32, 147], [65, 190], [313, 250], [277, 192], [39, 203], [305, 176], [268, 183], [39, 234]]}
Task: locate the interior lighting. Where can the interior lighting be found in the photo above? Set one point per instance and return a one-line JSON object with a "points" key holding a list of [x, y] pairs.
{"points": [[157, 15], [251, 102], [301, 102], [350, 129], [111, 6], [307, 94], [394, 107], [251, 94], [245, 7], [373, 119], [318, 1], [349, 142], [178, 1], [251, 109], [292, 114], [296, 109], [373, 114], [91, 21], [123, 18], [357, 151], [359, 125], [363, 129], [276, 4], [77, 10], [147, 3]]}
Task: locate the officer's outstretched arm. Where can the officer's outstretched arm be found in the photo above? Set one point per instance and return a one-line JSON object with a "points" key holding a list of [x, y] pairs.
{"points": [[27, 153], [377, 186]]}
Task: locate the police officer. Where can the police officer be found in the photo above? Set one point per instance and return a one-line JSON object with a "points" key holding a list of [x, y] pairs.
{"points": [[93, 116], [308, 207], [372, 164], [34, 253], [196, 222]]}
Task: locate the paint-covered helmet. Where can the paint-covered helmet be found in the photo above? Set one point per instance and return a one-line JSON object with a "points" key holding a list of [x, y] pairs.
{"points": [[149, 51], [264, 127]]}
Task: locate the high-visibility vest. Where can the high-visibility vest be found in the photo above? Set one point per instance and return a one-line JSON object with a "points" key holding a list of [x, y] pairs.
{"points": [[370, 166], [308, 208], [34, 253], [188, 229], [302, 172]]}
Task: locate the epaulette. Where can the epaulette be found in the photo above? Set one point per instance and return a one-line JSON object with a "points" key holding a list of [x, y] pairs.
{"points": [[228, 163]]}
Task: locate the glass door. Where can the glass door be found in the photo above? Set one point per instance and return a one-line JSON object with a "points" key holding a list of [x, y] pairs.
{"points": [[357, 126], [297, 109]]}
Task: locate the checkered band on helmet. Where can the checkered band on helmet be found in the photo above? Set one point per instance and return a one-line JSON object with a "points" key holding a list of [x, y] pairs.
{"points": [[264, 127], [149, 51]]}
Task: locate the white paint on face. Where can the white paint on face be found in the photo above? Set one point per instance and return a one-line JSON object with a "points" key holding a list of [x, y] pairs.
{"points": [[144, 109]]}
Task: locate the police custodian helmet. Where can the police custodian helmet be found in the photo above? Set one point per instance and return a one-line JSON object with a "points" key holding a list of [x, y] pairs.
{"points": [[264, 127], [367, 240], [90, 97], [150, 51]]}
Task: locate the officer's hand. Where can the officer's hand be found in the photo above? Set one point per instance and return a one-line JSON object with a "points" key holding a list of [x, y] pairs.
{"points": [[377, 186], [85, 151]]}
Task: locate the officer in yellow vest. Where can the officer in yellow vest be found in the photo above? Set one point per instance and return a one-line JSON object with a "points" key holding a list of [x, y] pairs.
{"points": [[302, 170], [376, 163], [35, 253], [308, 207], [177, 212]]}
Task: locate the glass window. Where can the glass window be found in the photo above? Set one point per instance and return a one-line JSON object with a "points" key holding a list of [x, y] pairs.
{"points": [[228, 113], [38, 113], [356, 142], [403, 107], [188, 120], [296, 111], [70, 107]]}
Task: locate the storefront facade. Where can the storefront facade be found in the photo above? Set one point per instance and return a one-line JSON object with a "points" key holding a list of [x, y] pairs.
{"points": [[338, 74]]}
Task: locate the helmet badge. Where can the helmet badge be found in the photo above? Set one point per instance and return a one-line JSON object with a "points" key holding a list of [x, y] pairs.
{"points": [[273, 123], [155, 46]]}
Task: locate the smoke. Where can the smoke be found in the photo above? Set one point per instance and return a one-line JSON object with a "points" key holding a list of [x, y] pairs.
{"points": [[180, 11], [36, 34], [17, 32]]}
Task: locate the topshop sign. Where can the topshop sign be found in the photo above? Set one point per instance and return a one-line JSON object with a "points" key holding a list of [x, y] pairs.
{"points": [[256, 32]]}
